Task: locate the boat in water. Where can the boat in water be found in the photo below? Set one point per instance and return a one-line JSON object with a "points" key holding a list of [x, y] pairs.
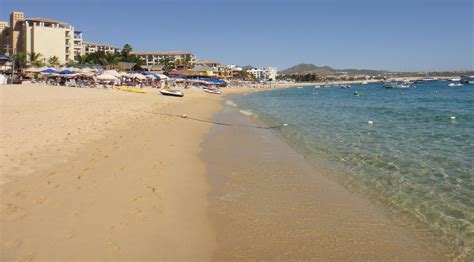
{"points": [[455, 84], [393, 84], [171, 92], [467, 80]]}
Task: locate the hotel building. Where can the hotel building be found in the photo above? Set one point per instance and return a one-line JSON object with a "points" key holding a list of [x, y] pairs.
{"points": [[156, 58], [90, 47], [264, 74], [40, 35]]}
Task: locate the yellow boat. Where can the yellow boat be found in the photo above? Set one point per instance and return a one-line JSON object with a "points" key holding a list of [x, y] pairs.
{"points": [[131, 89]]}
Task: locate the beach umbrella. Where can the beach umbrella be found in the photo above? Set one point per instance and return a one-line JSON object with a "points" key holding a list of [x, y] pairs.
{"points": [[161, 76], [112, 72], [49, 71], [66, 72], [106, 77]]}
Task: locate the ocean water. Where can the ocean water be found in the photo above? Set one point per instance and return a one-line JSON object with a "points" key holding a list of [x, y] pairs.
{"points": [[413, 158]]}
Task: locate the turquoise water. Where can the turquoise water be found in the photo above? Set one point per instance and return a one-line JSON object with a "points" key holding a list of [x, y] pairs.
{"points": [[413, 158]]}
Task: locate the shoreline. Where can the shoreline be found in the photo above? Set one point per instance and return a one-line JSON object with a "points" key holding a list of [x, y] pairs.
{"points": [[255, 167]]}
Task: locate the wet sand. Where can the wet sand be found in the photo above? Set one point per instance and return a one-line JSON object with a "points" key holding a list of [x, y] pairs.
{"points": [[268, 203]]}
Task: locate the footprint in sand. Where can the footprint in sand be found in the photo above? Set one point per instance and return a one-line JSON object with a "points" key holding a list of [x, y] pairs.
{"points": [[40, 200], [137, 198], [12, 212], [19, 194]]}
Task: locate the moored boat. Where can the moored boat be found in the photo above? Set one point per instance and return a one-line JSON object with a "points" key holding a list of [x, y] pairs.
{"points": [[212, 90], [467, 79], [396, 84], [455, 84], [171, 92]]}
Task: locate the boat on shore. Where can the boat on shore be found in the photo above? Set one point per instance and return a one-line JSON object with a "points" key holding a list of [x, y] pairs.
{"points": [[212, 90], [171, 92]]}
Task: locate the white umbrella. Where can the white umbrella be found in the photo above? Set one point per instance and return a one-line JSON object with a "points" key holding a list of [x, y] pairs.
{"points": [[106, 77], [74, 69], [112, 72]]}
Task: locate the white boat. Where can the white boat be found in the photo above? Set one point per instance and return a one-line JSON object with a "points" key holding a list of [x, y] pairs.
{"points": [[171, 92], [212, 90], [467, 79], [455, 79], [365, 83], [455, 84], [396, 84]]}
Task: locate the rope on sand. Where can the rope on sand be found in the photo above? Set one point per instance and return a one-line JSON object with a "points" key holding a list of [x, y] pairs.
{"points": [[216, 123]]}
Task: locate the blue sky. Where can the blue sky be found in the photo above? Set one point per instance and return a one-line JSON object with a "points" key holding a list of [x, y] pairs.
{"points": [[401, 35]]}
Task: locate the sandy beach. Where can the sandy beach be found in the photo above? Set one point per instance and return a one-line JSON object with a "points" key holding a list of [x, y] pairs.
{"points": [[91, 174], [87, 174]]}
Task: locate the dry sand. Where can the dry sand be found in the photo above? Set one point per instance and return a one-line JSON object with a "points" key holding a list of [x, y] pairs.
{"points": [[87, 174]]}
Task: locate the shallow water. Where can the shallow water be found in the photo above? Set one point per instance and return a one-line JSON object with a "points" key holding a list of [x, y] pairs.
{"points": [[413, 158]]}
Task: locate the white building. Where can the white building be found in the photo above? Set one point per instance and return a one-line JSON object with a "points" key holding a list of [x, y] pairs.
{"points": [[264, 74], [91, 47], [157, 58]]}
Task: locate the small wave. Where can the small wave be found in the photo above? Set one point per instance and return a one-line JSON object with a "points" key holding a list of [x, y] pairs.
{"points": [[230, 103], [247, 112]]}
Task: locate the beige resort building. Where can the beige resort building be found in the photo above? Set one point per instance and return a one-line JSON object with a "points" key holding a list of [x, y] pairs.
{"points": [[50, 37], [40, 35]]}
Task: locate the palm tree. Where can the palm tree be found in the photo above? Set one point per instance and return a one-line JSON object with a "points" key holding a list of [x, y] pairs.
{"points": [[20, 60], [126, 51], [53, 61], [35, 59], [110, 59], [82, 59]]}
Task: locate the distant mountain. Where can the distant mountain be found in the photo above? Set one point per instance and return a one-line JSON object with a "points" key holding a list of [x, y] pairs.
{"points": [[310, 68], [299, 69]]}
